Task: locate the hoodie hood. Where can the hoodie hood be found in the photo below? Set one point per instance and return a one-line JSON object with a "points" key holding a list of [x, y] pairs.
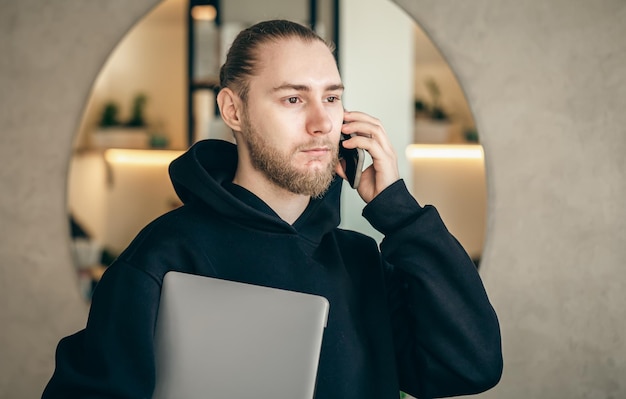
{"points": [[200, 175]]}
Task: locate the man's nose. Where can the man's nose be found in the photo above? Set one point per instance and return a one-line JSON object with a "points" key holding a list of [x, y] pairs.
{"points": [[318, 119]]}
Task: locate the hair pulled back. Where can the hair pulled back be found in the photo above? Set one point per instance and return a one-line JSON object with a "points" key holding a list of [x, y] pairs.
{"points": [[242, 58]]}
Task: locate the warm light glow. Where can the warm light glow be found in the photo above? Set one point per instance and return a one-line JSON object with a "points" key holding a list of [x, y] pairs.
{"points": [[203, 13], [141, 157], [451, 151]]}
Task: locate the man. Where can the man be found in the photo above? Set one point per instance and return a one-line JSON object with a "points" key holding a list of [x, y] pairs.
{"points": [[413, 316]]}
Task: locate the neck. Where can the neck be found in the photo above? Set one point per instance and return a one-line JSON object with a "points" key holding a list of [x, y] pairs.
{"points": [[287, 205]]}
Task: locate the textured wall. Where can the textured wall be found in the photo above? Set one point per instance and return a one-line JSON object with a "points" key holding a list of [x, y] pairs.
{"points": [[547, 84], [50, 53]]}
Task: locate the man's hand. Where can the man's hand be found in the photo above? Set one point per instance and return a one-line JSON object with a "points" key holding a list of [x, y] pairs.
{"points": [[371, 136]]}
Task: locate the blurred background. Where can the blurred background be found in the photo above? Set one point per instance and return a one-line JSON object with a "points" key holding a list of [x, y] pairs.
{"points": [[155, 96]]}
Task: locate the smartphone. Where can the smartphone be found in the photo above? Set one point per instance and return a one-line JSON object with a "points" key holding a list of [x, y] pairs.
{"points": [[354, 162]]}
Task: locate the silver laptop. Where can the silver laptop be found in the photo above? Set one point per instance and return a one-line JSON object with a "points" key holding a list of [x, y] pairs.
{"points": [[222, 339]]}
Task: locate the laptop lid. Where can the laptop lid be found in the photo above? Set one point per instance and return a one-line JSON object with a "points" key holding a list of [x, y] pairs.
{"points": [[222, 339]]}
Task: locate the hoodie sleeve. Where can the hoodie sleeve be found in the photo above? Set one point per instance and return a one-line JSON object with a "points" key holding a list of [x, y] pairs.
{"points": [[113, 356], [446, 333]]}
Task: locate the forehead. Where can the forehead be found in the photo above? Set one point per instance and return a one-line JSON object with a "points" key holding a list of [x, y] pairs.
{"points": [[296, 61]]}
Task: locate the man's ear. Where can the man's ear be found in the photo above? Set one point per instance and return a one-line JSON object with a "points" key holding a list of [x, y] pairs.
{"points": [[230, 106]]}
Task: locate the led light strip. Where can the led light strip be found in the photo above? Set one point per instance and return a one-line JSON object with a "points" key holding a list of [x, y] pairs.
{"points": [[141, 157], [448, 151]]}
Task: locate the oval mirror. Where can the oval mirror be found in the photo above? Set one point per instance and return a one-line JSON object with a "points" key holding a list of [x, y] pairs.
{"points": [[155, 95]]}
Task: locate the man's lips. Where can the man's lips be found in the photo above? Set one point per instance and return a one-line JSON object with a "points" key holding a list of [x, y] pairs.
{"points": [[317, 151]]}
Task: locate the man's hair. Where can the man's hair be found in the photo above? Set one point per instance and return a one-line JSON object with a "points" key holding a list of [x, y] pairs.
{"points": [[242, 58]]}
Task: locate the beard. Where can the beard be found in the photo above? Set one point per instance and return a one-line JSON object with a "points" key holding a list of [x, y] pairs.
{"points": [[277, 165]]}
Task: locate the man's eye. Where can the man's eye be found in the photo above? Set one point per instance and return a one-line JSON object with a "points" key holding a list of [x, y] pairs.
{"points": [[332, 99], [292, 100]]}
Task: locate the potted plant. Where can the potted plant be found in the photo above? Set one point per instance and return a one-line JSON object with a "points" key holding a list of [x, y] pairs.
{"points": [[432, 122], [110, 115], [137, 114], [112, 133]]}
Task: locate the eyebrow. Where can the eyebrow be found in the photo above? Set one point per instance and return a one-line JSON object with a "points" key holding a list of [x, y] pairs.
{"points": [[299, 87]]}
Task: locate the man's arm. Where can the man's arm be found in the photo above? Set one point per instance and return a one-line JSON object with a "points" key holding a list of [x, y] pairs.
{"points": [[113, 356], [446, 333]]}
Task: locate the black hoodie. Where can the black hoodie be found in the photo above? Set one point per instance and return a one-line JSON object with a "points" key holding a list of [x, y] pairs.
{"points": [[413, 316]]}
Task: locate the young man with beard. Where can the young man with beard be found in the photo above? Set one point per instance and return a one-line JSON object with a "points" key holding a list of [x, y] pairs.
{"points": [[412, 316]]}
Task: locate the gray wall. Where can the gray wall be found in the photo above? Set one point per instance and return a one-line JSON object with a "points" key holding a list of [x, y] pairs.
{"points": [[547, 84], [50, 53]]}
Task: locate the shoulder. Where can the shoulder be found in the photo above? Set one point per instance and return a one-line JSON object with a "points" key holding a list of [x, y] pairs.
{"points": [[173, 227], [352, 236], [355, 242], [170, 242]]}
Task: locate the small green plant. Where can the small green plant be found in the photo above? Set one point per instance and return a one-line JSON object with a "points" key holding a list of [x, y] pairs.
{"points": [[110, 115], [434, 109], [137, 118]]}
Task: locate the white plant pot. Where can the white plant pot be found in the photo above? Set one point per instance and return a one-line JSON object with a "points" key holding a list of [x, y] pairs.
{"points": [[121, 137], [432, 132]]}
